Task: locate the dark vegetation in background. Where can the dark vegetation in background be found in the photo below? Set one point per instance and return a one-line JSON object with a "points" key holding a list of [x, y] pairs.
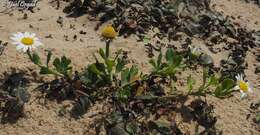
{"points": [[153, 111], [195, 18]]}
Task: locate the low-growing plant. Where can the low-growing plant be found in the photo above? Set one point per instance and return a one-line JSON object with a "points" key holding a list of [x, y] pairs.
{"points": [[60, 66], [169, 66], [103, 72], [221, 88], [139, 102]]}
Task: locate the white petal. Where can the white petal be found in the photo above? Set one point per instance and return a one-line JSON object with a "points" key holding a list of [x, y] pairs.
{"points": [[14, 38], [17, 37], [237, 77], [26, 34], [37, 43], [16, 43], [242, 77], [236, 88], [20, 34], [36, 39], [250, 89], [15, 34], [32, 35], [19, 47]]}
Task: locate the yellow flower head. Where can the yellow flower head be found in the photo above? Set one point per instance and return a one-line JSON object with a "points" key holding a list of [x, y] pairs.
{"points": [[243, 86], [109, 32], [27, 41]]}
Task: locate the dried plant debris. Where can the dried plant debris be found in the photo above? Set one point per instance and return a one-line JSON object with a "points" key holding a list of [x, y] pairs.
{"points": [[125, 123], [194, 18], [171, 17], [255, 114], [81, 106], [131, 16], [236, 62], [158, 117], [203, 113], [2, 46], [13, 96], [254, 1]]}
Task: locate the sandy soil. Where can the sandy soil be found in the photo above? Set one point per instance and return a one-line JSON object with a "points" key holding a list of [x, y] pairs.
{"points": [[44, 119]]}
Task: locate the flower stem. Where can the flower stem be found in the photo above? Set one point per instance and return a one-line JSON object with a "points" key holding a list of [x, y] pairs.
{"points": [[107, 48]]}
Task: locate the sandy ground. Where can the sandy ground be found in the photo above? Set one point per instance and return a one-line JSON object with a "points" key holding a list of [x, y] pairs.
{"points": [[44, 119]]}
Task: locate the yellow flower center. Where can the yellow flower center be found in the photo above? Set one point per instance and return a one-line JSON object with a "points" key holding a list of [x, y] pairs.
{"points": [[243, 86], [27, 41], [109, 32]]}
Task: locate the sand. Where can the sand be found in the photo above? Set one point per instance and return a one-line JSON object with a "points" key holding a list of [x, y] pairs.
{"points": [[43, 118]]}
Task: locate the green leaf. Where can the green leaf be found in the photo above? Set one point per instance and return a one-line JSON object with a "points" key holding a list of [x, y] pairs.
{"points": [[228, 84], [124, 94], [205, 75], [173, 58], [159, 60], [110, 64], [36, 59], [94, 69], [152, 62], [168, 71], [120, 65], [213, 80], [102, 53], [177, 60], [124, 76], [132, 73], [57, 62], [170, 55], [257, 118], [225, 89], [146, 39], [45, 70], [65, 61], [132, 128], [62, 65], [190, 82], [128, 75], [48, 57]]}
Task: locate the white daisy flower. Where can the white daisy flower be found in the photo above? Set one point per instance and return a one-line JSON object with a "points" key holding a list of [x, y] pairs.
{"points": [[25, 41], [243, 86]]}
